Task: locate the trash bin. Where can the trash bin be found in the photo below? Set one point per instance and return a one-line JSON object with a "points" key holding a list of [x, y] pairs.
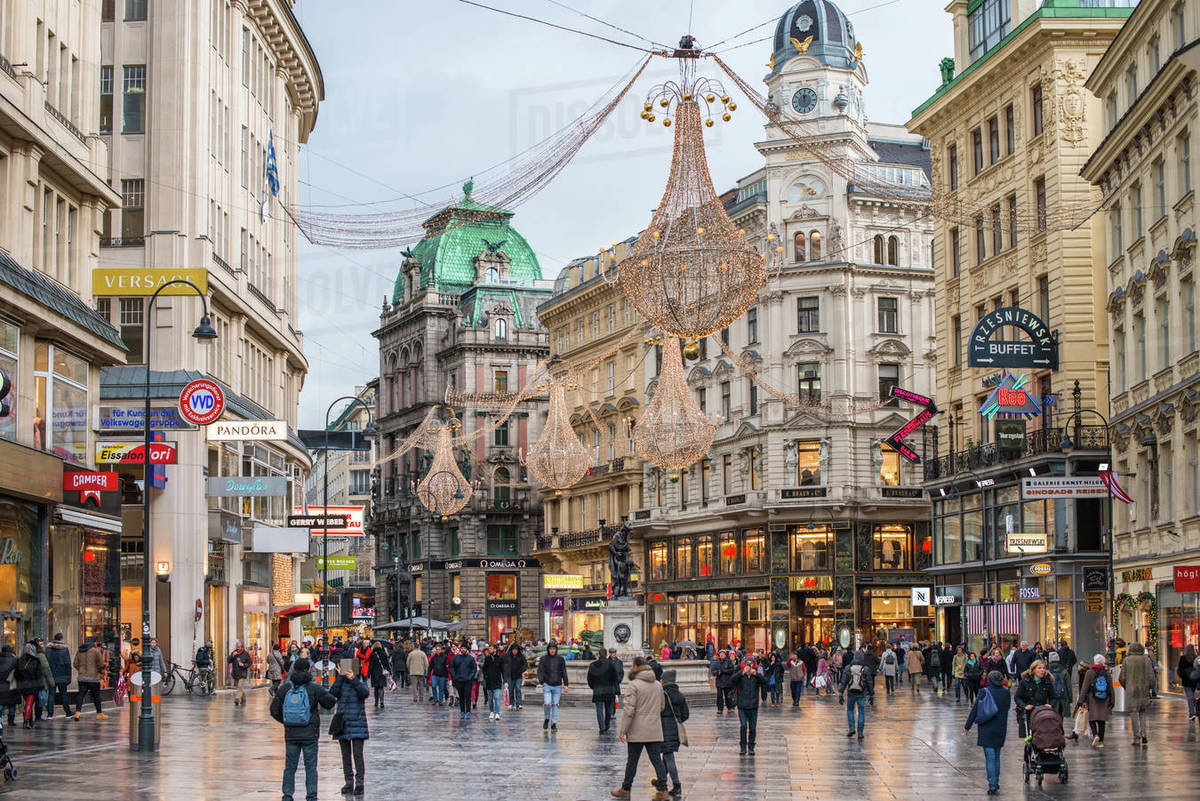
{"points": [[135, 708]]}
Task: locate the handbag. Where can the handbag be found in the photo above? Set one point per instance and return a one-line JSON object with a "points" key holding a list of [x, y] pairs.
{"points": [[338, 724], [683, 738]]}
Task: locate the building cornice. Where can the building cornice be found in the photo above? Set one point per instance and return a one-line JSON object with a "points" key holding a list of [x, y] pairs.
{"points": [[295, 55]]}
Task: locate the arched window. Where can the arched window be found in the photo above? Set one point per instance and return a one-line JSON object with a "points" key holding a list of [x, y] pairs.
{"points": [[893, 250], [393, 378], [798, 246], [500, 486], [501, 330], [878, 254], [814, 245], [493, 275]]}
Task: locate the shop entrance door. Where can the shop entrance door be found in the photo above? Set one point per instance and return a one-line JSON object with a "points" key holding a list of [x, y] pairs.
{"points": [[953, 618]]}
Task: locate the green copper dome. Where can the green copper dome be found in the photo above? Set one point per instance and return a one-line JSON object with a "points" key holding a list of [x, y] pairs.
{"points": [[459, 233]]}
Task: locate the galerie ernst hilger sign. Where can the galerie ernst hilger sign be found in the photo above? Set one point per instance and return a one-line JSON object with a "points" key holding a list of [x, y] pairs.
{"points": [[1041, 350]]}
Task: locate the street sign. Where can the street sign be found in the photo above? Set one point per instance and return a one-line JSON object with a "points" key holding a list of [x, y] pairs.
{"points": [[318, 521], [135, 453], [202, 402], [1094, 601], [1026, 542], [928, 410]]}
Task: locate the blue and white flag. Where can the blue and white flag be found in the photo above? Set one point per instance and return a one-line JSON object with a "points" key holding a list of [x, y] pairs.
{"points": [[272, 169]]}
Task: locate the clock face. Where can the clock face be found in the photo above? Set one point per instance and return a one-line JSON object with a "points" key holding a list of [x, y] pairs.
{"points": [[804, 100]]}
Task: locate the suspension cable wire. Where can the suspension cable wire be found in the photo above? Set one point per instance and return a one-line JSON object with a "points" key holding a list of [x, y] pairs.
{"points": [[555, 25], [712, 48], [607, 24]]}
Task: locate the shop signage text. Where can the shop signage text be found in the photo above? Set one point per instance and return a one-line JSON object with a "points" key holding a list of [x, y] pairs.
{"points": [[554, 604], [1010, 435], [353, 514], [1094, 600], [1010, 398], [454, 565], [588, 604], [1187, 578], [1026, 542], [338, 562], [945, 600], [1040, 351], [502, 607], [1041, 569], [734, 500], [1138, 574], [202, 402], [318, 521], [9, 553], [810, 583], [107, 482], [920, 596], [247, 487], [562, 581], [247, 430], [794, 493], [132, 418], [135, 453], [1035, 488], [902, 492], [1028, 593], [928, 410], [1095, 578], [146, 280]]}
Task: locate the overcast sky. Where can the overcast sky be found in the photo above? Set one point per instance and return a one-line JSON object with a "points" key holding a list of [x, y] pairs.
{"points": [[422, 94]]}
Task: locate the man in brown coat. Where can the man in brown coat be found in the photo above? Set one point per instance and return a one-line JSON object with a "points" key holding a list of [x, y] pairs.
{"points": [[641, 727], [1137, 677], [90, 666]]}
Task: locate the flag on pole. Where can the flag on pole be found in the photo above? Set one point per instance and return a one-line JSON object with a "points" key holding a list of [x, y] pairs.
{"points": [[272, 168], [1110, 482]]}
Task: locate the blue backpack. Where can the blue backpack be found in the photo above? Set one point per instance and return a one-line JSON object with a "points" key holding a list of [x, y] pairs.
{"points": [[297, 709], [1100, 687], [985, 706]]}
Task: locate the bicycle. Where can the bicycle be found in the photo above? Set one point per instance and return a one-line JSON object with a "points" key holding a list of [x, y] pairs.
{"points": [[200, 681]]}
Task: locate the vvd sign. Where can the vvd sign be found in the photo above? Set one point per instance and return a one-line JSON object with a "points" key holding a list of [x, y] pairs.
{"points": [[202, 402]]}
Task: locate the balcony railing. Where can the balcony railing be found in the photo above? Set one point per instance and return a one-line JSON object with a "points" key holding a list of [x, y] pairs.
{"points": [[7, 66], [1043, 440], [122, 241], [222, 263], [258, 293], [591, 536], [65, 120]]}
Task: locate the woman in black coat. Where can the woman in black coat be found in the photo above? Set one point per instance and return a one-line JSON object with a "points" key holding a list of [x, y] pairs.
{"points": [[1183, 671], [675, 711], [992, 732], [351, 694], [9, 697], [378, 665]]}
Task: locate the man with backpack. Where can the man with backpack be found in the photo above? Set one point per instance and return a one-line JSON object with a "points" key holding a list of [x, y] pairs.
{"points": [[890, 669], [297, 707], [990, 712], [933, 665], [857, 689]]}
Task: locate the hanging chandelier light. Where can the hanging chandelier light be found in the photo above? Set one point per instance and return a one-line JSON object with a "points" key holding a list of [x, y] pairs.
{"points": [[691, 272], [673, 433], [558, 459], [444, 490]]}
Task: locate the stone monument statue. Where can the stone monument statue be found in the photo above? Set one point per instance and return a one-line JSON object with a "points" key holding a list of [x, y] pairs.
{"points": [[620, 561]]}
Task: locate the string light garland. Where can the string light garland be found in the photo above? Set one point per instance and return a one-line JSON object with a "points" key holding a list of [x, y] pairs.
{"points": [[444, 490], [673, 433], [558, 459]]}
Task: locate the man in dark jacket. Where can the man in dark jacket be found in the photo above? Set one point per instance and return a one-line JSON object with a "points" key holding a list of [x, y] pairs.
{"points": [[605, 681], [463, 668], [1022, 658], [725, 673], [492, 673], [239, 670], [59, 657], [439, 673], [9, 697], [552, 675], [515, 663], [992, 732], [947, 667], [746, 689], [618, 666], [1067, 657], [301, 738], [856, 690]]}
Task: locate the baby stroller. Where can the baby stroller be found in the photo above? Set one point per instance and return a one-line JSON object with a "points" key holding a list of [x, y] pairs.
{"points": [[6, 763], [1045, 748]]}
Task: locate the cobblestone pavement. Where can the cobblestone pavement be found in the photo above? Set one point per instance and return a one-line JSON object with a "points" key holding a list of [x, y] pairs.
{"points": [[914, 749]]}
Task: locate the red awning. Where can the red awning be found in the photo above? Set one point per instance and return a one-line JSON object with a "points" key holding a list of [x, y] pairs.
{"points": [[295, 611]]}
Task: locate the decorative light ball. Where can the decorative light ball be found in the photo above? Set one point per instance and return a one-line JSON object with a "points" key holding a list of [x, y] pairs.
{"points": [[733, 106], [667, 122], [726, 116], [708, 123], [647, 106], [710, 98], [687, 96], [650, 118], [691, 350], [664, 102], [725, 99]]}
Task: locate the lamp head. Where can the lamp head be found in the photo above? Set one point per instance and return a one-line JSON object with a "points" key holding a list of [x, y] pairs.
{"points": [[205, 331], [1066, 443]]}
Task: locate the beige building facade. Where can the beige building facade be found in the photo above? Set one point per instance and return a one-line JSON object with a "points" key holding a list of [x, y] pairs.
{"points": [[1010, 127], [192, 96], [1147, 83]]}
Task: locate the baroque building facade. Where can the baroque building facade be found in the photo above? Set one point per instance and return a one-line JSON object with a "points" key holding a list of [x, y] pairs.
{"points": [[1147, 83], [590, 322], [1010, 127], [801, 524], [463, 319]]}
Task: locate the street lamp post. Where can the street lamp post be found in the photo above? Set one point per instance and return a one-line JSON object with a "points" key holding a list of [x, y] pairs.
{"points": [[366, 432], [203, 332], [1067, 444]]}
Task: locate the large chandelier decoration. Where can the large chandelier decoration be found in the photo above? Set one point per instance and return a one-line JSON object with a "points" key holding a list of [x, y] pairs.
{"points": [[691, 272], [444, 490], [673, 432], [558, 459]]}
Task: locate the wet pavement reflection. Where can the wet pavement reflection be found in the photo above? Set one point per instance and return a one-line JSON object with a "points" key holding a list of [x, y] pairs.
{"points": [[914, 749]]}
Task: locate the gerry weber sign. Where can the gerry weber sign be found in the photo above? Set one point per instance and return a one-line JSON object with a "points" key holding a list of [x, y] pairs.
{"points": [[1040, 351]]}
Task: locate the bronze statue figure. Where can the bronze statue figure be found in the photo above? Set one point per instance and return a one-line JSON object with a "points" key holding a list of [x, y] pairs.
{"points": [[620, 561]]}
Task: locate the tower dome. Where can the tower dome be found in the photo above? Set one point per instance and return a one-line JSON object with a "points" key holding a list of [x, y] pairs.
{"points": [[832, 35]]}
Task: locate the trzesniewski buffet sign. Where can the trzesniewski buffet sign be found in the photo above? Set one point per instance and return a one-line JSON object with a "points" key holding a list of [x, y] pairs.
{"points": [[1039, 351]]}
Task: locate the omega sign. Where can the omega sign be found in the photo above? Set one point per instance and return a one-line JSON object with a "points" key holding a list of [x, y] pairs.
{"points": [[1041, 350]]}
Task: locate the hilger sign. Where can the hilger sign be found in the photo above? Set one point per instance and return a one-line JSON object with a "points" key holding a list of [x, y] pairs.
{"points": [[1041, 350]]}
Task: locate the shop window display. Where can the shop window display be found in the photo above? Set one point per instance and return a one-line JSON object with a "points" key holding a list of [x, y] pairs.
{"points": [[683, 557], [808, 463], [21, 556], [657, 557], [502, 587], [60, 418], [729, 554], [754, 551], [9, 341], [704, 557], [811, 547], [892, 547]]}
